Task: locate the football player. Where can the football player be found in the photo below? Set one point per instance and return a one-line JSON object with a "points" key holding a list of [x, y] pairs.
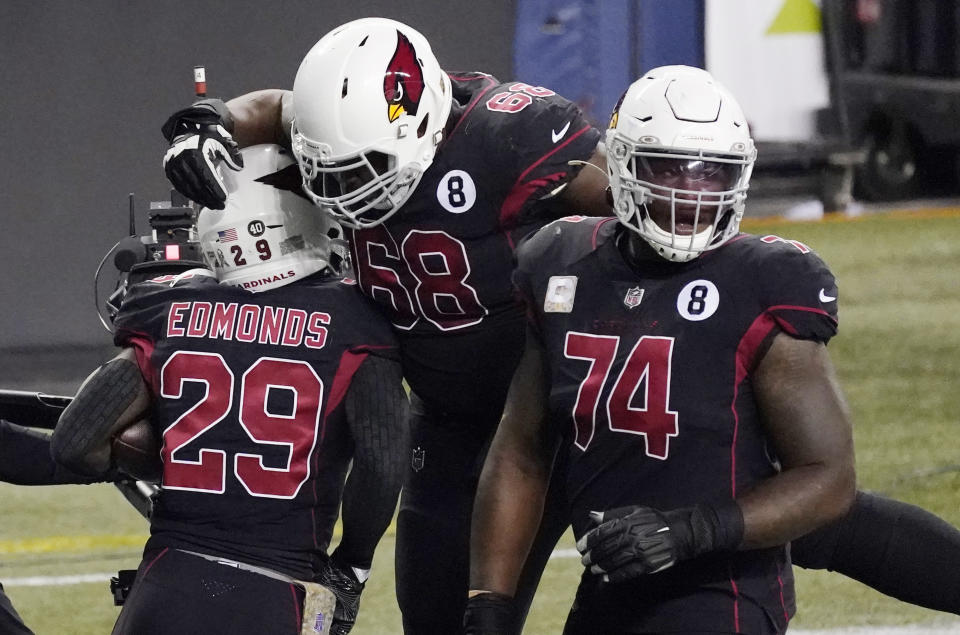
{"points": [[685, 366], [263, 383], [436, 175]]}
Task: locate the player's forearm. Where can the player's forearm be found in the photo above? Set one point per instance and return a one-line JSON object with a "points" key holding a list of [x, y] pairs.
{"points": [[368, 507], [807, 422], [111, 398], [259, 117], [369, 503], [794, 503], [506, 514], [509, 501], [378, 417]]}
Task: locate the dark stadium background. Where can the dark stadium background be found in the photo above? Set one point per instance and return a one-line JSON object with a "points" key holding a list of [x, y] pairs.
{"points": [[85, 87]]}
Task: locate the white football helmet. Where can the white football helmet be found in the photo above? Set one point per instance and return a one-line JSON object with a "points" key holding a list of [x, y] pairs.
{"points": [[370, 103], [679, 158], [268, 233]]}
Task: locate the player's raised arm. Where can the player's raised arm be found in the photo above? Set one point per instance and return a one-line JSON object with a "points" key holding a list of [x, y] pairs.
{"points": [[509, 502], [210, 132], [378, 416], [110, 399], [263, 116], [808, 424], [587, 192]]}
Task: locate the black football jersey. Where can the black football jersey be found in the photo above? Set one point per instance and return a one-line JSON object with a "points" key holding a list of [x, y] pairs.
{"points": [[248, 401], [651, 382], [441, 266]]}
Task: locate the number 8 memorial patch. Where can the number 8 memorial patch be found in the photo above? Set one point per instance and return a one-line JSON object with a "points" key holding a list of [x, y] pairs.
{"points": [[456, 192], [698, 300]]}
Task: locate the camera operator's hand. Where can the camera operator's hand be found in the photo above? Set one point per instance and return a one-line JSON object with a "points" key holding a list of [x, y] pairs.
{"points": [[633, 541], [198, 137], [344, 583]]}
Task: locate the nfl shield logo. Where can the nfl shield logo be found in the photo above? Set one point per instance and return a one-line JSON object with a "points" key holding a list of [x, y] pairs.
{"points": [[419, 454], [318, 623], [633, 297]]}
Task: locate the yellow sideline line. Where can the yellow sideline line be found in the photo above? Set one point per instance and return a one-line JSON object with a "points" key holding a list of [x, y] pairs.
{"points": [[54, 544], [899, 214]]}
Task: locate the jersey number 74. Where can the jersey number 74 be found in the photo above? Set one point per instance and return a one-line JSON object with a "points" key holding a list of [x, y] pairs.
{"points": [[638, 402]]}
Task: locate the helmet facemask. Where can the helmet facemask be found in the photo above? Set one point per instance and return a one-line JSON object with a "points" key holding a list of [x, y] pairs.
{"points": [[681, 202], [361, 190]]}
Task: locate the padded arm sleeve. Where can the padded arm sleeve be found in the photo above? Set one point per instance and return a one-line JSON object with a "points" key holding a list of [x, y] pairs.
{"points": [[378, 414], [110, 399]]}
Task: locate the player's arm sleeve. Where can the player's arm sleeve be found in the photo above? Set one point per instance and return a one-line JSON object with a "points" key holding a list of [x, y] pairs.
{"points": [[547, 145], [263, 116], [110, 399], [378, 413], [807, 424], [513, 483], [25, 459], [800, 292], [797, 295]]}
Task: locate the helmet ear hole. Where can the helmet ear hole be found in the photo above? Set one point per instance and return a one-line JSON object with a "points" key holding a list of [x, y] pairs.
{"points": [[422, 128]]}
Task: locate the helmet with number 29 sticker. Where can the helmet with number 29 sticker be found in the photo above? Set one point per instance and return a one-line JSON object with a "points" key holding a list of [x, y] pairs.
{"points": [[268, 233]]}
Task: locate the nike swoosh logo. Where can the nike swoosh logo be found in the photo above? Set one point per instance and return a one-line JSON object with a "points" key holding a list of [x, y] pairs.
{"points": [[826, 298], [556, 136]]}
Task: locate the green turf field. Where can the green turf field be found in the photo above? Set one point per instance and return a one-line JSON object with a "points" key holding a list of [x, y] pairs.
{"points": [[898, 356]]}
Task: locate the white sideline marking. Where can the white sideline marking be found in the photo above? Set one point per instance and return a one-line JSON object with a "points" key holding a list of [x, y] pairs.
{"points": [[564, 553], [57, 580]]}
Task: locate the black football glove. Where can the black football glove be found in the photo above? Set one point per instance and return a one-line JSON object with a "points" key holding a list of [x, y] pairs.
{"points": [[198, 137], [490, 614], [344, 583], [633, 541]]}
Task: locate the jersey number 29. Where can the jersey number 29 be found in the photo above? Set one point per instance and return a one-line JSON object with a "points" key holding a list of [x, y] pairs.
{"points": [[296, 430]]}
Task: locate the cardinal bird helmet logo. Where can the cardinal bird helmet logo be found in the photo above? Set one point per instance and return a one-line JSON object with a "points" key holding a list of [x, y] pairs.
{"points": [[403, 80]]}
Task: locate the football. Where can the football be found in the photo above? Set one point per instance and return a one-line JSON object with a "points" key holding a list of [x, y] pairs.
{"points": [[136, 451]]}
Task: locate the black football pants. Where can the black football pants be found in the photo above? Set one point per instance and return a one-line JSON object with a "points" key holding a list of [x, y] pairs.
{"points": [[175, 592], [433, 525]]}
